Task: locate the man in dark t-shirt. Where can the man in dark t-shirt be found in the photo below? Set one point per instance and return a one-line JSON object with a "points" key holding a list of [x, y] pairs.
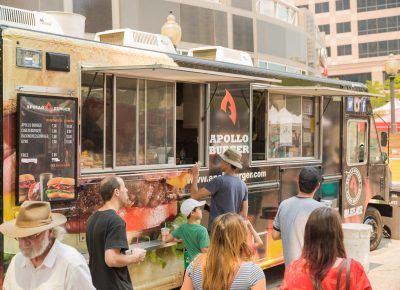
{"points": [[106, 239], [228, 192]]}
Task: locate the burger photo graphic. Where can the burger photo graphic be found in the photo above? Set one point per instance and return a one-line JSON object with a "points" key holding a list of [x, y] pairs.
{"points": [[26, 183], [60, 188]]}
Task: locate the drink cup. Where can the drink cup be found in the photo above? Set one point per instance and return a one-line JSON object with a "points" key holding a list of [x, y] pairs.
{"points": [[44, 178], [164, 234]]}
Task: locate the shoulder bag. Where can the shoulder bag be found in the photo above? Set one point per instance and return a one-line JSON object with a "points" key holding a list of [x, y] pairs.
{"points": [[347, 274]]}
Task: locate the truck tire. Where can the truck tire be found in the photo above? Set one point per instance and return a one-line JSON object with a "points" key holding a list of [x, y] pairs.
{"points": [[374, 219]]}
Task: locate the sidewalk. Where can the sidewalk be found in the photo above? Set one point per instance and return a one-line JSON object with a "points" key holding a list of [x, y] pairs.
{"points": [[384, 265]]}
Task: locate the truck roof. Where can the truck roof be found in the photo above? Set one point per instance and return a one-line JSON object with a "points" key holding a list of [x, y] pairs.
{"points": [[288, 79]]}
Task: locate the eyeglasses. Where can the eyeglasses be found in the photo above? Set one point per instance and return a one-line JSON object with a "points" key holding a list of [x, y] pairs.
{"points": [[30, 238]]}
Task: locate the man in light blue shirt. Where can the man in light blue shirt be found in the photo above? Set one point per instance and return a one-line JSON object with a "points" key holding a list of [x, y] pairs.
{"points": [[293, 213]]}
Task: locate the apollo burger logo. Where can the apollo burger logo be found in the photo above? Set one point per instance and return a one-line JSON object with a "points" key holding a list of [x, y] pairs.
{"points": [[221, 142], [353, 186], [48, 108], [228, 99]]}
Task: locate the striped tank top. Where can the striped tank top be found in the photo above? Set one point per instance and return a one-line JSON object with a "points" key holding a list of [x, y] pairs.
{"points": [[247, 276]]}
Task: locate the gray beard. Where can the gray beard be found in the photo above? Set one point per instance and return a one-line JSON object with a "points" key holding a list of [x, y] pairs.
{"points": [[36, 252]]}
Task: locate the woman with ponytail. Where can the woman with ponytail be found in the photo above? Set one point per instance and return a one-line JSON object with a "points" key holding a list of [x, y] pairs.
{"points": [[228, 263], [323, 264]]}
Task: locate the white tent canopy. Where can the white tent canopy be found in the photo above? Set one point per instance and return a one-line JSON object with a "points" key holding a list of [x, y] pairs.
{"points": [[386, 108], [283, 116]]}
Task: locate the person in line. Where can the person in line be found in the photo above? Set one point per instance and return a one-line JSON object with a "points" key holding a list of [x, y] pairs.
{"points": [[194, 236], [293, 214], [92, 133], [44, 262], [255, 240], [107, 241], [323, 263], [228, 192], [228, 263]]}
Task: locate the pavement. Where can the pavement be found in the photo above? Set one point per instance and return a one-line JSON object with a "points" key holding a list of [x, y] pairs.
{"points": [[384, 264]]}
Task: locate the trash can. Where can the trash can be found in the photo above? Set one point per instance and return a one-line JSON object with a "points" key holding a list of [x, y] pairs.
{"points": [[357, 241]]}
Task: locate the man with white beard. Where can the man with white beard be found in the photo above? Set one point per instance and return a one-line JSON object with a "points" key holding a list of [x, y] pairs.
{"points": [[44, 263]]}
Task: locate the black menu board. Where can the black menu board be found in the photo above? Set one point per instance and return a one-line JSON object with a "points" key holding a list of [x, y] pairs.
{"points": [[46, 148]]}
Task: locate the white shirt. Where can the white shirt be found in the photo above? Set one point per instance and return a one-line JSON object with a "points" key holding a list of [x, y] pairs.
{"points": [[63, 268]]}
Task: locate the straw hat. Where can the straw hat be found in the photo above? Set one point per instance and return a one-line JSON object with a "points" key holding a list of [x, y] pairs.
{"points": [[34, 217], [233, 157]]}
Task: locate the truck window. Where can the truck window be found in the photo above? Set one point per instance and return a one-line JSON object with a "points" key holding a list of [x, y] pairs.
{"points": [[356, 142], [290, 123], [259, 124], [374, 146], [137, 123], [96, 103], [190, 120], [156, 122], [125, 129]]}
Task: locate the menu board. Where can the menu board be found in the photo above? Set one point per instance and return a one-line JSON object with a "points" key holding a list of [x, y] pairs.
{"points": [[46, 148]]}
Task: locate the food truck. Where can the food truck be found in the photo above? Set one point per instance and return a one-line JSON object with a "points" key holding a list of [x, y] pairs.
{"points": [[76, 110]]}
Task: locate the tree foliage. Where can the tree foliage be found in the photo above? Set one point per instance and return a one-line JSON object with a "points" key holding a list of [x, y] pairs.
{"points": [[383, 89]]}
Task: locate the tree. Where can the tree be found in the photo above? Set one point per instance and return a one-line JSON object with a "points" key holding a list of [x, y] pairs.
{"points": [[378, 88]]}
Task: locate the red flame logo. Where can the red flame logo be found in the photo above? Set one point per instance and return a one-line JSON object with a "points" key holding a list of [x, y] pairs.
{"points": [[232, 106], [353, 185], [48, 106]]}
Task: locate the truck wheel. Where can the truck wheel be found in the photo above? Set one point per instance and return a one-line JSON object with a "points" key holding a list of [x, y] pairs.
{"points": [[374, 219]]}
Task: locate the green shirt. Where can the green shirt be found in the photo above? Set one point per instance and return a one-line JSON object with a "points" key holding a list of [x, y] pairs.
{"points": [[194, 236]]}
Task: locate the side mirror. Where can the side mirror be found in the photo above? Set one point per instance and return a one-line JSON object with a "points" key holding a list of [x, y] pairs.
{"points": [[384, 139], [384, 156]]}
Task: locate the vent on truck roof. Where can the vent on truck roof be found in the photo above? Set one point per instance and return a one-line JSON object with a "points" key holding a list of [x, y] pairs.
{"points": [[219, 53], [138, 39], [13, 15], [26, 19]]}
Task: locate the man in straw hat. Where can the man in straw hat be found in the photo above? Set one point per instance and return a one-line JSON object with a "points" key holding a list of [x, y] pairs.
{"points": [[228, 192], [44, 263]]}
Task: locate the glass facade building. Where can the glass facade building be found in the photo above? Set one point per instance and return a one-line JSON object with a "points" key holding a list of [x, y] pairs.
{"points": [[360, 34]]}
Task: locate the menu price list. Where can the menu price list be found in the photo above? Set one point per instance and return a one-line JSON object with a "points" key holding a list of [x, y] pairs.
{"points": [[46, 148]]}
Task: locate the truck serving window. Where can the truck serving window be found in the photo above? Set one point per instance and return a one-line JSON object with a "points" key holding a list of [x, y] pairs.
{"points": [[134, 128], [284, 127], [132, 122], [96, 121], [356, 142]]}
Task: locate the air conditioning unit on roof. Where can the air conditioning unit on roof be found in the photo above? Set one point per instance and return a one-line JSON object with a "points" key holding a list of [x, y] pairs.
{"points": [[138, 39], [219, 53], [26, 19]]}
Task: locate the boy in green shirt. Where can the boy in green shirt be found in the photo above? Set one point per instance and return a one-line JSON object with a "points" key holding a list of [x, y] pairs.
{"points": [[194, 236]]}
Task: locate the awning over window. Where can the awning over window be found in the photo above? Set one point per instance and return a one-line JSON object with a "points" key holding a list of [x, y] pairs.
{"points": [[318, 91], [176, 73]]}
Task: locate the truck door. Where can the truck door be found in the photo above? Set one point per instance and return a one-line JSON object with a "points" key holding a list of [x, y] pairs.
{"points": [[376, 165], [355, 160]]}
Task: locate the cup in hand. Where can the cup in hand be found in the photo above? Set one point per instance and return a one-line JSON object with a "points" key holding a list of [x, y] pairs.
{"points": [[139, 253], [164, 234]]}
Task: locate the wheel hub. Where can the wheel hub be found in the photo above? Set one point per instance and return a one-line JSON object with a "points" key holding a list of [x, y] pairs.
{"points": [[374, 226]]}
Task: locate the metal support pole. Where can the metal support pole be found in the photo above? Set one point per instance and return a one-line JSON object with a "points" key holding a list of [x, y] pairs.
{"points": [[392, 106]]}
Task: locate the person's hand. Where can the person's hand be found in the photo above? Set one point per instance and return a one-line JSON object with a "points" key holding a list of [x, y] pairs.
{"points": [[139, 254], [248, 224], [195, 170]]}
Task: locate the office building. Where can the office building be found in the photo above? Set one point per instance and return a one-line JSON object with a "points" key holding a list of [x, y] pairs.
{"points": [[359, 35]]}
